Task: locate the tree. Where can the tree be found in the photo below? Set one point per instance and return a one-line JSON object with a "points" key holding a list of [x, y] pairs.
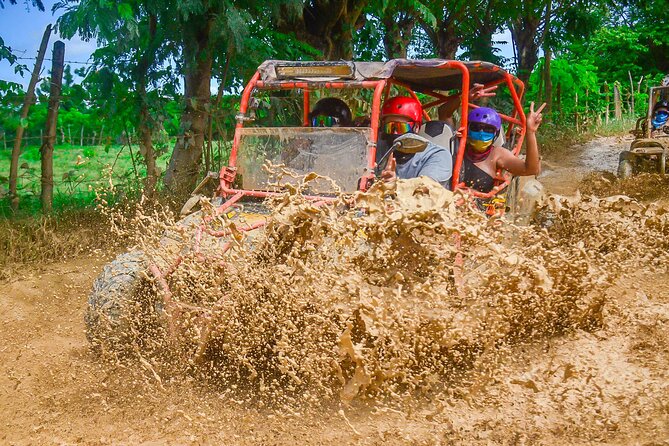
{"points": [[488, 18], [135, 60], [445, 31], [326, 25]]}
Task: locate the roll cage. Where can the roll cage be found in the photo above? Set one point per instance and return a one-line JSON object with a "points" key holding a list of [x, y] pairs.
{"points": [[429, 77]]}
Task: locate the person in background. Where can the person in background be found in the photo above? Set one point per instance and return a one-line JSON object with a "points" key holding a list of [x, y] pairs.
{"points": [[660, 116], [412, 155]]}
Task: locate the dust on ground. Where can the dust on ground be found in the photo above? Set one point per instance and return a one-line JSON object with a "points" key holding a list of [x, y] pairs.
{"points": [[604, 381]]}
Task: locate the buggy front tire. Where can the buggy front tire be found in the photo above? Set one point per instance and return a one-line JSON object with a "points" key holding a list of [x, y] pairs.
{"points": [[625, 166], [113, 304], [662, 163]]}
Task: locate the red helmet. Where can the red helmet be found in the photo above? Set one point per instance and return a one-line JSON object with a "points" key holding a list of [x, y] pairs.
{"points": [[404, 106]]}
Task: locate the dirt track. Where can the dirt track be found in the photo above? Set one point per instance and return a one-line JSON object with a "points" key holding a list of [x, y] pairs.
{"points": [[603, 387]]}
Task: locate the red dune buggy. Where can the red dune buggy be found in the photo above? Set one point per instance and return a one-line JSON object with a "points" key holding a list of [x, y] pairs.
{"points": [[276, 128]]}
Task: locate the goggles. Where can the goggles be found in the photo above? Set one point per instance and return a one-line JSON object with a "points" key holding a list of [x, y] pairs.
{"points": [[324, 121], [662, 114], [479, 127], [398, 127]]}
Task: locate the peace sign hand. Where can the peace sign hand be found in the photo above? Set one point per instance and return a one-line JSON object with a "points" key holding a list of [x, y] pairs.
{"points": [[535, 117]]}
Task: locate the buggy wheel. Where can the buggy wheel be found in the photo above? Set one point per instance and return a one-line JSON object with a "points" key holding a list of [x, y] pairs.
{"points": [[112, 303], [625, 166], [523, 199], [662, 164], [512, 193]]}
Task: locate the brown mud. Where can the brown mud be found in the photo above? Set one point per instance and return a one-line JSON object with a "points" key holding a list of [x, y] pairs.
{"points": [[572, 348]]}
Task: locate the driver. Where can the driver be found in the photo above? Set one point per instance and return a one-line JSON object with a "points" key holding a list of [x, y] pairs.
{"points": [[331, 112], [328, 112], [401, 117], [660, 115]]}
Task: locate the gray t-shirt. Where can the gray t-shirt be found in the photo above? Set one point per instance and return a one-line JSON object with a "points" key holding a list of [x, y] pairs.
{"points": [[435, 162]]}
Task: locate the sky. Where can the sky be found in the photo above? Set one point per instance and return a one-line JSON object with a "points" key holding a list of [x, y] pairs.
{"points": [[22, 31]]}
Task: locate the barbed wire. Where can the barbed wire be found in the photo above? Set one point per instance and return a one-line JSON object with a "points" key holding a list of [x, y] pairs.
{"points": [[65, 61]]}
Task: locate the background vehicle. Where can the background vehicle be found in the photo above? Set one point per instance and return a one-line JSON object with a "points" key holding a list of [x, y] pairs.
{"points": [[347, 155], [648, 151]]}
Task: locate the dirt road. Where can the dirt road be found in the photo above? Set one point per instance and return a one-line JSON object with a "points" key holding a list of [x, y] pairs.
{"points": [[608, 386], [562, 173]]}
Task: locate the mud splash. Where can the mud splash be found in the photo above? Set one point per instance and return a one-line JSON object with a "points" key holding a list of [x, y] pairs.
{"points": [[401, 296]]}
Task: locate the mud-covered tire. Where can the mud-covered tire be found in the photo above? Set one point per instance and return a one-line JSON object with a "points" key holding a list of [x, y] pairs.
{"points": [[523, 198], [112, 303], [662, 163], [625, 166]]}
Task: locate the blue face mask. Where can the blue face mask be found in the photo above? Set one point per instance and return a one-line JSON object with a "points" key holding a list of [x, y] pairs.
{"points": [[481, 136], [660, 119]]}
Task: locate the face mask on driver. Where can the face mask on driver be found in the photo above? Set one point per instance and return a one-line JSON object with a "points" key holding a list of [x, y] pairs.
{"points": [[480, 141]]}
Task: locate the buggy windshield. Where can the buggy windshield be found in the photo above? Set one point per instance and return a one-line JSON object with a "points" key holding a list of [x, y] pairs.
{"points": [[337, 153]]}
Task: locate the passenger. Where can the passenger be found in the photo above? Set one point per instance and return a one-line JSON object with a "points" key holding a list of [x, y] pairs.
{"points": [[660, 115], [331, 112], [482, 158], [403, 116]]}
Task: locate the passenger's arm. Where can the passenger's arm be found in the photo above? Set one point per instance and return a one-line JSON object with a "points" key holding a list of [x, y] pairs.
{"points": [[532, 163]]}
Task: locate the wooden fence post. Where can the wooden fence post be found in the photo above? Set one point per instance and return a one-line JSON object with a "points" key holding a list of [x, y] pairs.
{"points": [[81, 137], [617, 105], [27, 101], [608, 101], [46, 150], [631, 93], [576, 112]]}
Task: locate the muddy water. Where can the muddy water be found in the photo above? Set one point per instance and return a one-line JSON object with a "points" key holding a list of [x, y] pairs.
{"points": [[367, 328]]}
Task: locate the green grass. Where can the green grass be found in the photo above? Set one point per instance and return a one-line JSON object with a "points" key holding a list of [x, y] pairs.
{"points": [[78, 173]]}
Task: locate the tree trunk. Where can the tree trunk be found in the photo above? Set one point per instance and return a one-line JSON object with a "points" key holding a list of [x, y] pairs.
{"points": [[524, 33], [398, 33], [146, 124], [327, 25], [482, 47], [46, 151], [548, 83], [27, 101], [448, 41], [184, 165]]}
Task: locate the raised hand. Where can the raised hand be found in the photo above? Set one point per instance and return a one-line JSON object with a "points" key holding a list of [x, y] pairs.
{"points": [[535, 117], [388, 173], [478, 91]]}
